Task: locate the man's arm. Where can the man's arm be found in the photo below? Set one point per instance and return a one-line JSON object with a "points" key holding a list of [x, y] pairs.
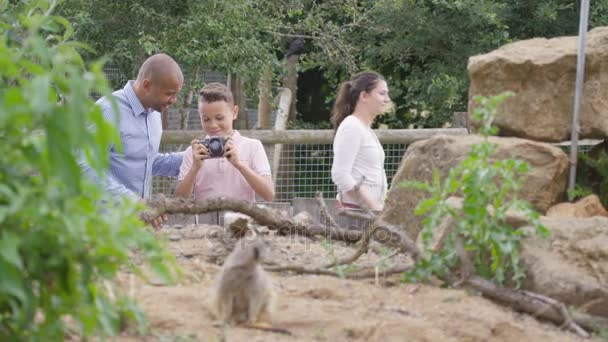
{"points": [[106, 181], [167, 164]]}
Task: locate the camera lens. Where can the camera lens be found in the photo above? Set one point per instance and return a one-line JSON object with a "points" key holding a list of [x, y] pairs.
{"points": [[215, 147]]}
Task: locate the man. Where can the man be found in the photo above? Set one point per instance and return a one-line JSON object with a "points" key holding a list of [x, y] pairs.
{"points": [[139, 121]]}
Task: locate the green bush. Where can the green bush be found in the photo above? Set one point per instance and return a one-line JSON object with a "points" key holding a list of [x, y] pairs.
{"points": [[493, 245], [56, 244], [592, 175]]}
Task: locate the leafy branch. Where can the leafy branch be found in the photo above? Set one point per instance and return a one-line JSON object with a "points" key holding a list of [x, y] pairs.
{"points": [[489, 190]]}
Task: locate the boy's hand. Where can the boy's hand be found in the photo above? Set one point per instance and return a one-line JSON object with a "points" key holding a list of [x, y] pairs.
{"points": [[199, 153], [231, 153]]}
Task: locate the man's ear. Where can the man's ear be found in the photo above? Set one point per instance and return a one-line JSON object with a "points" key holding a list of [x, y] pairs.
{"points": [[235, 112], [146, 84]]}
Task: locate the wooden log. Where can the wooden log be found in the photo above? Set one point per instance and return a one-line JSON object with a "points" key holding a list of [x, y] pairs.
{"points": [[325, 136], [264, 99]]}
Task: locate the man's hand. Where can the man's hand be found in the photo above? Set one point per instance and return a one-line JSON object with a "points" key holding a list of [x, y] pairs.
{"points": [[157, 223]]}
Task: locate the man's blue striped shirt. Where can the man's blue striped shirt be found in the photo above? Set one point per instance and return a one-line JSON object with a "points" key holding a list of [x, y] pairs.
{"points": [[140, 129]]}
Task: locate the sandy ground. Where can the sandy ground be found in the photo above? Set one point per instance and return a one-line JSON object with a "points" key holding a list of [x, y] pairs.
{"points": [[324, 308]]}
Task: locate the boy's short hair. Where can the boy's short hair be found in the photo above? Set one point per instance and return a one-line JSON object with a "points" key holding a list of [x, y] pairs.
{"points": [[215, 91]]}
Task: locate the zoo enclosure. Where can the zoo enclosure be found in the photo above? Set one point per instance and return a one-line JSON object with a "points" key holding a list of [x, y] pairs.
{"points": [[305, 162]]}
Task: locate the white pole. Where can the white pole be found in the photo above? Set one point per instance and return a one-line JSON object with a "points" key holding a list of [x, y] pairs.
{"points": [[578, 91]]}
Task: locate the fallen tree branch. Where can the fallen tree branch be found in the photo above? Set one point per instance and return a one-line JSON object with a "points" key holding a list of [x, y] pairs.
{"points": [[268, 217], [568, 321], [355, 214], [535, 304], [362, 249], [385, 233], [391, 235], [367, 234], [532, 303], [368, 273], [323, 211], [466, 265]]}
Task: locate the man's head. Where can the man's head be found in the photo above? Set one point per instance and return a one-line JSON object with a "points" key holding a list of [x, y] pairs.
{"points": [[216, 109], [158, 82]]}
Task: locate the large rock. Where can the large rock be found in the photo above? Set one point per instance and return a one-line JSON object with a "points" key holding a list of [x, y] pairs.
{"points": [[572, 265], [545, 185], [588, 206], [542, 73]]}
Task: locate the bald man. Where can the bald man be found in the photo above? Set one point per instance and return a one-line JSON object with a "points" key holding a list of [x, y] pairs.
{"points": [[139, 121]]}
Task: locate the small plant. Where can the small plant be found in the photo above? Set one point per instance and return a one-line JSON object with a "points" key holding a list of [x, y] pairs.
{"points": [[489, 189], [383, 262], [341, 270]]}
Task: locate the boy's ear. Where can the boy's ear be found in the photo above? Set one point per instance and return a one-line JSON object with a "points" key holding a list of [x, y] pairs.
{"points": [[235, 112]]}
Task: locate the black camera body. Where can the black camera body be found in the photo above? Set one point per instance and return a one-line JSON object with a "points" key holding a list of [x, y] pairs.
{"points": [[215, 146]]}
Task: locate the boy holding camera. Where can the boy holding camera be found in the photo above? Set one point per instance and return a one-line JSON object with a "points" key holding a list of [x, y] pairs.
{"points": [[225, 163]]}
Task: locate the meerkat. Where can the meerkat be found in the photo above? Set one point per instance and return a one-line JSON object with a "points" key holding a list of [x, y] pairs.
{"points": [[243, 292]]}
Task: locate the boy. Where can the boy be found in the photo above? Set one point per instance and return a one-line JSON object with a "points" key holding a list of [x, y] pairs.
{"points": [[225, 163]]}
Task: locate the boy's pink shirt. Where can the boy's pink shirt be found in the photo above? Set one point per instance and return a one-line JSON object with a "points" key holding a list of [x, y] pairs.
{"points": [[217, 177]]}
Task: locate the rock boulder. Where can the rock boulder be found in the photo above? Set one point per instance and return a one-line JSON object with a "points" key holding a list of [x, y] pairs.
{"points": [[541, 72], [545, 185]]}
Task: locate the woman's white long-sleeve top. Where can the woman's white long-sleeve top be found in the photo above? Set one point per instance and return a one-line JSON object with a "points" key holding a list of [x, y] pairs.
{"points": [[358, 153]]}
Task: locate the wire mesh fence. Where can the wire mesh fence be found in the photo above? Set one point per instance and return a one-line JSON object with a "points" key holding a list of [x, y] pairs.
{"points": [[305, 169]]}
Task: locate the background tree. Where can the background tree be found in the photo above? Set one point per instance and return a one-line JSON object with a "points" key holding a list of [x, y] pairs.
{"points": [[421, 46]]}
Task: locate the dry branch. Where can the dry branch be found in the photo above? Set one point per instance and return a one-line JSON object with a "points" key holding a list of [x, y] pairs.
{"points": [[324, 211], [391, 235], [355, 214], [367, 234], [368, 273], [268, 217], [535, 304], [532, 303], [362, 249]]}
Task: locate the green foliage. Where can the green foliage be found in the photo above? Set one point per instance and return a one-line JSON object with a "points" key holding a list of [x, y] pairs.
{"points": [[578, 192], [421, 46], [489, 189], [341, 270], [602, 334], [592, 176], [56, 243]]}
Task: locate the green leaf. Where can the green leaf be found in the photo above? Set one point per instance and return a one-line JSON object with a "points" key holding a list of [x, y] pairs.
{"points": [[10, 282], [424, 206], [9, 249]]}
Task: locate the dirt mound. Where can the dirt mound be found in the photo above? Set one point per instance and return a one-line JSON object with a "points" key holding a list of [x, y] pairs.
{"points": [[322, 308]]}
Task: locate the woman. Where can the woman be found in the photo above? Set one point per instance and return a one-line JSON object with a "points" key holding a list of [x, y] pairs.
{"points": [[358, 153]]}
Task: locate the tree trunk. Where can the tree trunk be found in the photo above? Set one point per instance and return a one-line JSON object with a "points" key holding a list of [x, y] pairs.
{"points": [[291, 82], [265, 99], [237, 87], [165, 118], [186, 107]]}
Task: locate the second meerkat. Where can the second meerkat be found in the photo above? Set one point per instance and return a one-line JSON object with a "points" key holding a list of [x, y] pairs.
{"points": [[243, 291]]}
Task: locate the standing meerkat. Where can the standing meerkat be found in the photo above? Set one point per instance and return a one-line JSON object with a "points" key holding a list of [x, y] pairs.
{"points": [[243, 291]]}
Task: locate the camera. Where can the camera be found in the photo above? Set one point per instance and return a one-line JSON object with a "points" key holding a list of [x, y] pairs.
{"points": [[215, 146]]}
